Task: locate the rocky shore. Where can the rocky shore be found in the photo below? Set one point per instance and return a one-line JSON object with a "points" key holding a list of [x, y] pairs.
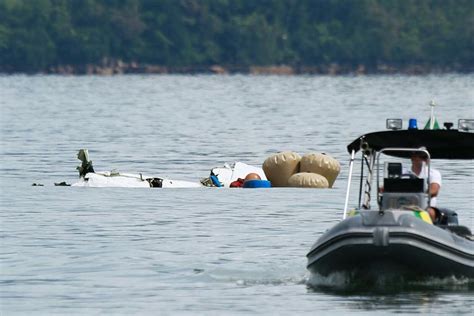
{"points": [[114, 67]]}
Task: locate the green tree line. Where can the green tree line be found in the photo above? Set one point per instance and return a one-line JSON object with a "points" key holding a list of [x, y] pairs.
{"points": [[37, 34]]}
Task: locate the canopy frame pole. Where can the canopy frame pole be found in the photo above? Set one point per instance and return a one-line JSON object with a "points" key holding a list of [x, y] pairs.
{"points": [[368, 182], [363, 160], [349, 179]]}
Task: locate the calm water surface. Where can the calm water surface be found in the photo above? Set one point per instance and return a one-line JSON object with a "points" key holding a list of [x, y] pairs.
{"points": [[68, 250]]}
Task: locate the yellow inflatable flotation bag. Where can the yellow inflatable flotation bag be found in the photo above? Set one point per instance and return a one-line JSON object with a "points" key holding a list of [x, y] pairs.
{"points": [[280, 167], [308, 180], [322, 164]]}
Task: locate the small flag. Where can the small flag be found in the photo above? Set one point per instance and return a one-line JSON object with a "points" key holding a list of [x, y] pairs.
{"points": [[435, 124]]}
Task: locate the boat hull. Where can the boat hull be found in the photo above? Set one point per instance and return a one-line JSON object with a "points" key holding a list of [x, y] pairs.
{"points": [[398, 243]]}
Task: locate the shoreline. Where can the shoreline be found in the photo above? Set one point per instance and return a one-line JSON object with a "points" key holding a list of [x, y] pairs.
{"points": [[119, 68]]}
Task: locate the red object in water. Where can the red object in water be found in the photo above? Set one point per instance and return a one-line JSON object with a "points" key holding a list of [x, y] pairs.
{"points": [[239, 183]]}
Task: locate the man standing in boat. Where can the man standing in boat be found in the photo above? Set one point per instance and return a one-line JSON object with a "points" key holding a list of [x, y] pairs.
{"points": [[419, 169]]}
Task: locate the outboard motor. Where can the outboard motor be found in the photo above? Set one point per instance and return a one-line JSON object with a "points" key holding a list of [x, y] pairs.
{"points": [[446, 217]]}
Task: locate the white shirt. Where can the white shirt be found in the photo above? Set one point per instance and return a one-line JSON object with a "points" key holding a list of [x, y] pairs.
{"points": [[435, 177]]}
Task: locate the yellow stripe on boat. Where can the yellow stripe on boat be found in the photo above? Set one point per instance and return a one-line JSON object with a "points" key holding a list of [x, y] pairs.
{"points": [[352, 213], [423, 215]]}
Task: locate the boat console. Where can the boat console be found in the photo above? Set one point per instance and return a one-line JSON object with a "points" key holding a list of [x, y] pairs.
{"points": [[402, 190]]}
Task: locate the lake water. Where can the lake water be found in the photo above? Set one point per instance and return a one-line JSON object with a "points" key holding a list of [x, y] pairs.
{"points": [[69, 250]]}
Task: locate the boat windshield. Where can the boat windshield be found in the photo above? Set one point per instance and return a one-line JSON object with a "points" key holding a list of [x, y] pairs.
{"points": [[398, 185]]}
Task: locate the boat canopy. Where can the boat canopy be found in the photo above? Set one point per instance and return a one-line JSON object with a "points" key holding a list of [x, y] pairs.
{"points": [[441, 144]]}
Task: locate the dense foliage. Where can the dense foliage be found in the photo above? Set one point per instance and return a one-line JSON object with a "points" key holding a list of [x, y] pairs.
{"points": [[38, 34]]}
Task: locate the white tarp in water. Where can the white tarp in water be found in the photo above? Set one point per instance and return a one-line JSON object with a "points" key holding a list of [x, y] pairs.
{"points": [[90, 178], [226, 175], [229, 173], [128, 180], [104, 179]]}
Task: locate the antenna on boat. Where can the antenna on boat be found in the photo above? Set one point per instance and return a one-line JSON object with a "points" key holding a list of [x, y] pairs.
{"points": [[432, 122], [432, 119]]}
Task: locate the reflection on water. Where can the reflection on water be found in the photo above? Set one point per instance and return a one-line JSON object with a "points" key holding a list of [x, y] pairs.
{"points": [[385, 283], [396, 294]]}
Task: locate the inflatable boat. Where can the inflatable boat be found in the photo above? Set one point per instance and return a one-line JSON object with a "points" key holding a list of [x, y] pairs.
{"points": [[399, 236]]}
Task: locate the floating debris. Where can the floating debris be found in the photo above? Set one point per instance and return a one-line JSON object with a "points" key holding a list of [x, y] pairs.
{"points": [[62, 184]]}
